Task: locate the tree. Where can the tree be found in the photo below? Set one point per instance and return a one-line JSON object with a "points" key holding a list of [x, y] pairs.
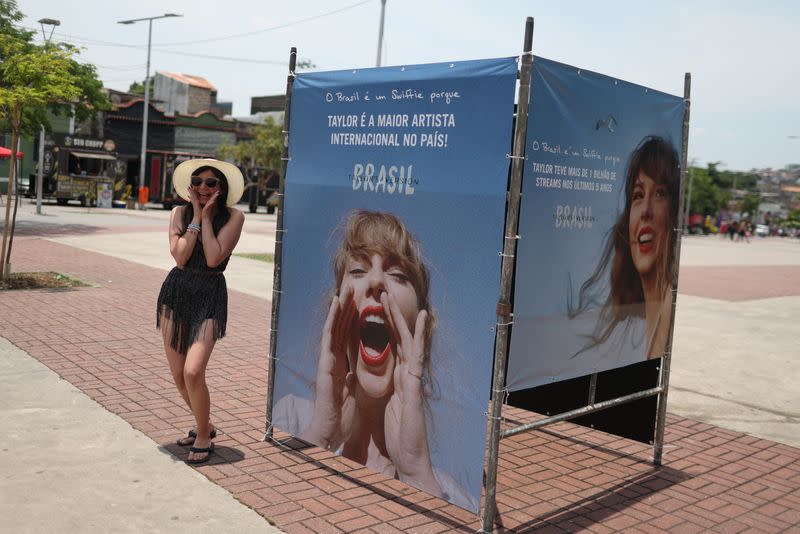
{"points": [[137, 88], [9, 16], [749, 205], [793, 219], [706, 198], [32, 79], [264, 150]]}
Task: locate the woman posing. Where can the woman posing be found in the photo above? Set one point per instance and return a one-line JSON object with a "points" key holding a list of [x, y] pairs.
{"points": [[193, 303]]}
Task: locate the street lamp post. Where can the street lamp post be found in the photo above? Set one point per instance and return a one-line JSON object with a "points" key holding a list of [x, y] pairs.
{"points": [[145, 113], [380, 33], [40, 171]]}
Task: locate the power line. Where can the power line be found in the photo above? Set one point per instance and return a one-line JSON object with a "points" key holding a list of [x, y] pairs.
{"points": [[82, 41], [120, 68], [224, 58], [87, 40], [271, 28]]}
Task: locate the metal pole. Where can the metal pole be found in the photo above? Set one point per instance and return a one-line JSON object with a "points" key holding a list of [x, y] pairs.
{"points": [[592, 388], [145, 113], [380, 33], [584, 410], [509, 249], [276, 278], [688, 201], [40, 173], [663, 377]]}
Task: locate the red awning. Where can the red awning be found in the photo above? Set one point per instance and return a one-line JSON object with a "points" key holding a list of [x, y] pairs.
{"points": [[6, 153]]}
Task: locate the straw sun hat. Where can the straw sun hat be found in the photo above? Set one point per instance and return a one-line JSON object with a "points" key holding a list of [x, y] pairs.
{"points": [[182, 177]]}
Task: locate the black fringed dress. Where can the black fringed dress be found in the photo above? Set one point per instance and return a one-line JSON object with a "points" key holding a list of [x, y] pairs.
{"points": [[192, 294]]}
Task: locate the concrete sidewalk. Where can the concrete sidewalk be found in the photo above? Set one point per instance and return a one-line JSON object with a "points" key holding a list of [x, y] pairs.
{"points": [[565, 478], [68, 465]]}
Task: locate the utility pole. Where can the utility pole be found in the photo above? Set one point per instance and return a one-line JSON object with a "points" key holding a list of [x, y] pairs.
{"points": [[40, 171], [380, 33], [145, 113]]}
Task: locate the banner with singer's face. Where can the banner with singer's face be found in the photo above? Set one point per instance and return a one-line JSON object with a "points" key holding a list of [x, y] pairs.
{"points": [[596, 252], [394, 209]]}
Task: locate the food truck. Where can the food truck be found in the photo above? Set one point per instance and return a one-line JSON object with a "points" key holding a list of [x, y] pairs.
{"points": [[83, 168]]}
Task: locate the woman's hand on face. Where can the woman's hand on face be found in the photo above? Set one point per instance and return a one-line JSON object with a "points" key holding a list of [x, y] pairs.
{"points": [[195, 200], [404, 421], [211, 206], [331, 385]]}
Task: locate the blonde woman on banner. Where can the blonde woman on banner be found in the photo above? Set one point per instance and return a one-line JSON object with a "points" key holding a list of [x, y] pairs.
{"points": [[373, 376]]}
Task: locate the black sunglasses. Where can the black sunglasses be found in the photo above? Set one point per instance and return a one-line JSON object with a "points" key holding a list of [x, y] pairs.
{"points": [[210, 182]]}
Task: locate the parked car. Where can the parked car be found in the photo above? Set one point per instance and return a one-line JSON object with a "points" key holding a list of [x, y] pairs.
{"points": [[762, 230]]}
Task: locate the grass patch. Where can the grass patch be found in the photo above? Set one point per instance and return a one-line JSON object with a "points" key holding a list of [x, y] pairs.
{"points": [[40, 280], [265, 256]]}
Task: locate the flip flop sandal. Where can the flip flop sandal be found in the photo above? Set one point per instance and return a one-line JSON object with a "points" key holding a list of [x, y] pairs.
{"points": [[193, 434], [208, 450]]}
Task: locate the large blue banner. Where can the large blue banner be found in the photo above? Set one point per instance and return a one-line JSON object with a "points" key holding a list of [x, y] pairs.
{"points": [[395, 198], [599, 208]]}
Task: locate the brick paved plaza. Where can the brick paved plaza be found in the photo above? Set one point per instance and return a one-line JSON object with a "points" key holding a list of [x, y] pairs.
{"points": [[564, 478]]}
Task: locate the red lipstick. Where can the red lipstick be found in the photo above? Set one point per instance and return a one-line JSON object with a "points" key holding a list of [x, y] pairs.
{"points": [[375, 316], [648, 244]]}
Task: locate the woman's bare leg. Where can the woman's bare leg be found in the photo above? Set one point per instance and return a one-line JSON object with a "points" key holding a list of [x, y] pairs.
{"points": [[176, 360], [194, 376]]}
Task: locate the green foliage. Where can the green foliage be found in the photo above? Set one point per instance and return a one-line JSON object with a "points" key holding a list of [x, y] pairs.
{"points": [[712, 189], [9, 16], [305, 64], [92, 98], [749, 204], [706, 198], [731, 179], [739, 180], [38, 78], [137, 88], [794, 216], [264, 150], [31, 78]]}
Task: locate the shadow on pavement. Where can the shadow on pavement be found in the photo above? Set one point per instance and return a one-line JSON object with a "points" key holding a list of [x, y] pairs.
{"points": [[221, 455], [39, 229], [597, 507]]}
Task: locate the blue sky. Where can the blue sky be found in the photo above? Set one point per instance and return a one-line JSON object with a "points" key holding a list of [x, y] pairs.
{"points": [[742, 55]]}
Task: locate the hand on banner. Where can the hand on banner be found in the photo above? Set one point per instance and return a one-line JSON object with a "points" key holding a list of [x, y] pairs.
{"points": [[333, 407], [404, 420]]}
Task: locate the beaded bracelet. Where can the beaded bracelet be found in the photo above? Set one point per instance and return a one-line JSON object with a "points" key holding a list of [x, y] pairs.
{"points": [[193, 227]]}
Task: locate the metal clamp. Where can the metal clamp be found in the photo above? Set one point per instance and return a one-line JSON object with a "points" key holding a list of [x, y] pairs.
{"points": [[504, 392]]}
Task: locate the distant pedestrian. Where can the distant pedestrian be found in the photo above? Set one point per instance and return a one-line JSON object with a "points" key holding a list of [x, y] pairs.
{"points": [[732, 229], [193, 303], [743, 231]]}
